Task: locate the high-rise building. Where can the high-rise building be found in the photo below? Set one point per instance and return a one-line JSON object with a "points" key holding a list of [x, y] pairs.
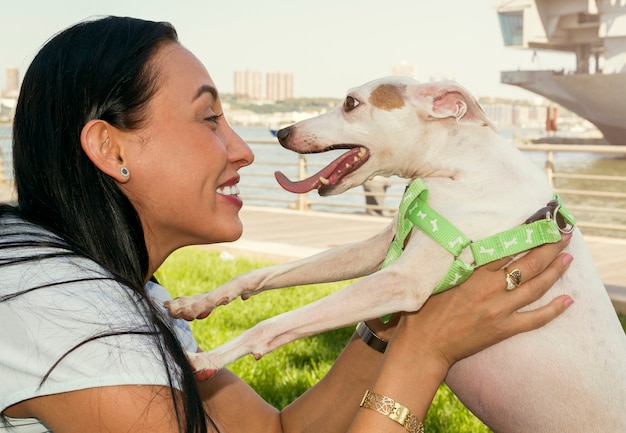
{"points": [[279, 86], [249, 83], [12, 82]]}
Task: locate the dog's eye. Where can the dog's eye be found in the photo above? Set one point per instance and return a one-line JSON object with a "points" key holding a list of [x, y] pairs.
{"points": [[350, 103]]}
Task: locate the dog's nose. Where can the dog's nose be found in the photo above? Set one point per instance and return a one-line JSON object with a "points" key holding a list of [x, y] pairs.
{"points": [[283, 134]]}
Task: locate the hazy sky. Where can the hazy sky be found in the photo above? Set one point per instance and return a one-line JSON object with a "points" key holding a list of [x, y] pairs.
{"points": [[329, 45]]}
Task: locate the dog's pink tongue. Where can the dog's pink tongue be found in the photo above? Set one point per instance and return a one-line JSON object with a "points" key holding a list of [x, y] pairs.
{"points": [[302, 186], [332, 173]]}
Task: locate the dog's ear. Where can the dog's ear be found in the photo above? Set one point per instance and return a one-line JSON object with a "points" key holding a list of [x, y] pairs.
{"points": [[445, 99]]}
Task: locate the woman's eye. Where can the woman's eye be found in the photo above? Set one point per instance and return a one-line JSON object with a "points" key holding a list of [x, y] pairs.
{"points": [[214, 119], [350, 103]]}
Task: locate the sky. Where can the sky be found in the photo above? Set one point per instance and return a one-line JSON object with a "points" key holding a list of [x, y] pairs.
{"points": [[329, 45]]}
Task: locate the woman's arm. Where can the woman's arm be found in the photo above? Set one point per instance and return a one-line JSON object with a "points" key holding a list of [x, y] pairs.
{"points": [[329, 406], [449, 327], [115, 409]]}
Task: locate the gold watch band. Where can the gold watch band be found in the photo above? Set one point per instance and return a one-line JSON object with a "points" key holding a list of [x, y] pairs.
{"points": [[395, 411], [370, 338]]}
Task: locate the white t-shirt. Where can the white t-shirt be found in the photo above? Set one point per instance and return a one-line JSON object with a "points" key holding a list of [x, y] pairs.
{"points": [[50, 327]]}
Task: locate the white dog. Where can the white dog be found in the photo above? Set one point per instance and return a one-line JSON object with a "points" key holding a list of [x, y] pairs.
{"points": [[568, 376]]}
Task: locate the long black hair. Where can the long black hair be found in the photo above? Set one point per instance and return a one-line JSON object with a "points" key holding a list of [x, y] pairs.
{"points": [[96, 69]]}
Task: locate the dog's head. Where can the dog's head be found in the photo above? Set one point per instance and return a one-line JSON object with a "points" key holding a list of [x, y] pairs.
{"points": [[389, 126]]}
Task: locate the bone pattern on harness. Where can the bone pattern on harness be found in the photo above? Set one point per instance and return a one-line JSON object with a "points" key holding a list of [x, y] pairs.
{"points": [[414, 211]]}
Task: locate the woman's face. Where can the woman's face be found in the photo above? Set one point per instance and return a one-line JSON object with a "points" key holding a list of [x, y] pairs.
{"points": [[184, 162]]}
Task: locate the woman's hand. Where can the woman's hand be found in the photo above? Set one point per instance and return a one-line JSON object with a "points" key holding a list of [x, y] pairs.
{"points": [[481, 312]]}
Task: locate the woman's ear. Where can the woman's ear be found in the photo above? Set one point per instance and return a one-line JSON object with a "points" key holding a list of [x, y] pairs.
{"points": [[102, 145]]}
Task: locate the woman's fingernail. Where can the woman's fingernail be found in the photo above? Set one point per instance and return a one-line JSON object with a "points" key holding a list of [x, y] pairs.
{"points": [[202, 375], [567, 259], [566, 237], [568, 302]]}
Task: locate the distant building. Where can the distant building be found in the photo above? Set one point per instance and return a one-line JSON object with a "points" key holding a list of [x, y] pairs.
{"points": [[249, 83], [7, 109], [8, 95], [279, 86], [508, 114], [404, 69], [12, 82]]}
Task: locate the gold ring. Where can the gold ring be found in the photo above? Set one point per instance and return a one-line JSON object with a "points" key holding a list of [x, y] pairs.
{"points": [[513, 278]]}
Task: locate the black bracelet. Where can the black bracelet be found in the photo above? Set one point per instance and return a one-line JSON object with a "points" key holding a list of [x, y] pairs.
{"points": [[369, 338]]}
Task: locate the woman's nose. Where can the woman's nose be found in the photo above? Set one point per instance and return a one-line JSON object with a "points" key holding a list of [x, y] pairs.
{"points": [[239, 151]]}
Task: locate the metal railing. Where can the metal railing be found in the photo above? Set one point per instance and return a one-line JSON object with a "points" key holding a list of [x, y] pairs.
{"points": [[597, 198], [258, 185]]}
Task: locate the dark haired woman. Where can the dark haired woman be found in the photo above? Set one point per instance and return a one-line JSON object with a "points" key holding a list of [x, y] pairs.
{"points": [[121, 156]]}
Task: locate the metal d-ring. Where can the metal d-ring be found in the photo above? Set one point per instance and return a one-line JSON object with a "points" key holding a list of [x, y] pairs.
{"points": [[560, 222]]}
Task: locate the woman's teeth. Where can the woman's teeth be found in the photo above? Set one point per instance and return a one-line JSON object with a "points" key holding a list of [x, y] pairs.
{"points": [[228, 190]]}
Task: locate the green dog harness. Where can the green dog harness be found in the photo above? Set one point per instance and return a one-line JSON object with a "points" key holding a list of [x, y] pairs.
{"points": [[545, 226]]}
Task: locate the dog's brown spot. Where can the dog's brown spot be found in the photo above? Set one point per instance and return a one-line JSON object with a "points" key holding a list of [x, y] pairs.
{"points": [[387, 97]]}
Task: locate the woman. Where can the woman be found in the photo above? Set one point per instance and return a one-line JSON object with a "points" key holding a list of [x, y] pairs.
{"points": [[121, 156]]}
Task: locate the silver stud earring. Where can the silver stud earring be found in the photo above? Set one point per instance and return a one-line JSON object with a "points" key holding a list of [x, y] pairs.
{"points": [[124, 171]]}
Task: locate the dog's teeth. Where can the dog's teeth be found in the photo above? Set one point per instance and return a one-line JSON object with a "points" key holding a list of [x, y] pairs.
{"points": [[324, 181], [348, 166], [356, 159], [362, 152]]}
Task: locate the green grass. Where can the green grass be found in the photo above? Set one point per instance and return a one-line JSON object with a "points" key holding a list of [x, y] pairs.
{"points": [[284, 374]]}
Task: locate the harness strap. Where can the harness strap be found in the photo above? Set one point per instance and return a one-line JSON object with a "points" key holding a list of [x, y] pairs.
{"points": [[545, 226]]}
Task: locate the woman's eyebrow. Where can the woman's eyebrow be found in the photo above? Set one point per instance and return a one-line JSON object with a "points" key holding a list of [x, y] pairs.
{"points": [[206, 89]]}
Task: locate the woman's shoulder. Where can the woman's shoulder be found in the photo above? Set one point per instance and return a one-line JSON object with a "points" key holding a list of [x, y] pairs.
{"points": [[67, 324], [42, 276], [48, 286], [14, 228], [32, 257]]}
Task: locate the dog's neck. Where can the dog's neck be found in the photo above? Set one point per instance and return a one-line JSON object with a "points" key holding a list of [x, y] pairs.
{"points": [[476, 162]]}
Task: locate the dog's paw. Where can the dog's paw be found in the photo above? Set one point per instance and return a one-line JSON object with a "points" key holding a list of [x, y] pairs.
{"points": [[192, 307], [204, 365]]}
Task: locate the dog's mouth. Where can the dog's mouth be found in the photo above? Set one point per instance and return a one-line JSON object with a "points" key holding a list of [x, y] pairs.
{"points": [[327, 178]]}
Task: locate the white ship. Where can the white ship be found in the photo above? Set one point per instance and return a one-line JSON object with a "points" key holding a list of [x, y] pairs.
{"points": [[595, 31]]}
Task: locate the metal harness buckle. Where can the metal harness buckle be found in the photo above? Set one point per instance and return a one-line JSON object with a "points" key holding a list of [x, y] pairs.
{"points": [[551, 212]]}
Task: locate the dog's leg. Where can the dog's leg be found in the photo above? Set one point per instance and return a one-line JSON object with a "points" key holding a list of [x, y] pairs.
{"points": [[337, 264], [395, 288]]}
